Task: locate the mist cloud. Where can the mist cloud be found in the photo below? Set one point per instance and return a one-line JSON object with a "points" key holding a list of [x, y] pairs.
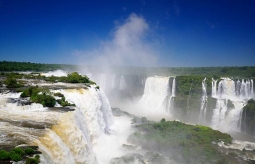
{"points": [[128, 46]]}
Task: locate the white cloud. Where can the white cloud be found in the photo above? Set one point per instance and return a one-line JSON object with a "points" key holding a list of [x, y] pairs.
{"points": [[128, 46]]}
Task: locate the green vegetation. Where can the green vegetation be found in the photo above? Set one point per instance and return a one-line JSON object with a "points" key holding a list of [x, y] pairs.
{"points": [[245, 71], [39, 95], [29, 150], [64, 103], [27, 66], [4, 155], [248, 117], [188, 97], [34, 160], [18, 154], [12, 83], [193, 143], [71, 78], [15, 157], [76, 78], [44, 97]]}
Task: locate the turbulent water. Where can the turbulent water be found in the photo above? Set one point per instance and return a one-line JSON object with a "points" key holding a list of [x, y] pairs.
{"points": [[158, 95], [231, 97], [90, 134], [62, 137]]}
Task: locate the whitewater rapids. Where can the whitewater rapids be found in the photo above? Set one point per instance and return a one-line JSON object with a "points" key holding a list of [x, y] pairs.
{"points": [[62, 137]]}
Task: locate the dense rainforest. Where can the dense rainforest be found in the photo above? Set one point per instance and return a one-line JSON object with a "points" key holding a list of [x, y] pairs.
{"points": [[27, 66], [244, 71]]}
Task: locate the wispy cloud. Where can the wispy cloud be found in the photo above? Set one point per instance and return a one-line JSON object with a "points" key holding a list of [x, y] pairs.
{"points": [[176, 8], [128, 46]]}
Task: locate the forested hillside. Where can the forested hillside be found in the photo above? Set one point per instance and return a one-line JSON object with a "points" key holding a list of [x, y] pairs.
{"points": [[27, 66], [233, 72]]}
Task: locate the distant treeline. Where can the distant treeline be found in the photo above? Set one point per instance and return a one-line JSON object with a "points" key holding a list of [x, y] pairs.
{"points": [[235, 72], [36, 67]]}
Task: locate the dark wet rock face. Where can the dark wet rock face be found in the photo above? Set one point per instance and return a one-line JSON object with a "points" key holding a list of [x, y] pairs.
{"points": [[156, 158], [129, 147], [130, 158], [20, 101]]}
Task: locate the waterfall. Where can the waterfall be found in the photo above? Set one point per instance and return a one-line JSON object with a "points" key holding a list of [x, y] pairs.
{"points": [[62, 137], [156, 95], [169, 105], [252, 91], [246, 90], [113, 82], [214, 87], [203, 105], [219, 113], [226, 118], [231, 98], [238, 88], [173, 88], [122, 83], [226, 88]]}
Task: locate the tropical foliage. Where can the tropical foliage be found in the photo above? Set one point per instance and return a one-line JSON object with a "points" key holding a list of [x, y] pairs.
{"points": [[18, 154], [181, 142]]}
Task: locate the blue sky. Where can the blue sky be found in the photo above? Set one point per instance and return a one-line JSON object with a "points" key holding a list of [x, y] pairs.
{"points": [[129, 32]]}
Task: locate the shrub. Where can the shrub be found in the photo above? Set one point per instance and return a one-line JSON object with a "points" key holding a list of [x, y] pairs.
{"points": [[15, 157], [18, 151], [32, 90], [64, 103], [4, 155], [76, 78], [29, 150], [32, 161], [44, 99], [12, 83]]}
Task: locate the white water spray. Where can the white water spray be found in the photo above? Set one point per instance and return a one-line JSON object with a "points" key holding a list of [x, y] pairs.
{"points": [[203, 105], [122, 83], [67, 137], [231, 98], [214, 87], [157, 98]]}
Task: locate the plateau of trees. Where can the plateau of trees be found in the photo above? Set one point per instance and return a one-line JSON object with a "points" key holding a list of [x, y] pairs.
{"points": [[37, 67], [235, 72], [44, 97], [184, 143]]}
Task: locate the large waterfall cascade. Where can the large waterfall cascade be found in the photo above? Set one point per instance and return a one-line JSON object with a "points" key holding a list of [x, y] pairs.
{"points": [[62, 137], [231, 98], [158, 94]]}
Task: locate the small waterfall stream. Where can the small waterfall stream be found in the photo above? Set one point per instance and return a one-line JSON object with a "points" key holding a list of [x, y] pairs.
{"points": [[122, 83], [203, 105]]}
